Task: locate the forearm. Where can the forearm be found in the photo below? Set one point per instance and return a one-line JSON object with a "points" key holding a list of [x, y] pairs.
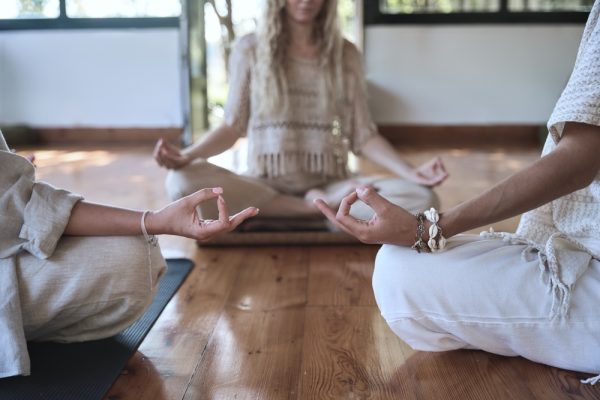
{"points": [[572, 166], [90, 219], [215, 142], [381, 152]]}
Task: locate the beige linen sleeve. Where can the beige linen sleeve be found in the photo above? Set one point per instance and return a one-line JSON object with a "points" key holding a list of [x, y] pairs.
{"points": [[237, 108], [33, 214]]}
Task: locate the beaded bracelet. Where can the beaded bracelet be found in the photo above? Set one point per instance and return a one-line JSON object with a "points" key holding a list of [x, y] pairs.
{"points": [[436, 240], [420, 244]]}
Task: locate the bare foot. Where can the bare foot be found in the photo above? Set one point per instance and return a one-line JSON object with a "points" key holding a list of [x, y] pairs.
{"points": [[334, 198]]}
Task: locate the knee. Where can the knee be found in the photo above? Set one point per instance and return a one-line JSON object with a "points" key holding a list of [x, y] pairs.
{"points": [[120, 293], [427, 198], [409, 195], [388, 279], [433, 199], [137, 266], [176, 185], [400, 287]]}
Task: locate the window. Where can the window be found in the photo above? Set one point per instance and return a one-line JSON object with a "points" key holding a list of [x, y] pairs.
{"points": [[29, 9], [476, 11], [436, 6], [81, 14], [122, 8], [550, 5]]}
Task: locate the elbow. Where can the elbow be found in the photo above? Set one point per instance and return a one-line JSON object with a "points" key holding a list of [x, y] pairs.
{"points": [[587, 179], [583, 176]]}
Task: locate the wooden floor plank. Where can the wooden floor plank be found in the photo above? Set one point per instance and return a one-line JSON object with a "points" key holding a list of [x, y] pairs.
{"points": [[353, 355], [475, 375], [252, 355], [175, 344], [341, 275], [255, 351], [270, 278]]}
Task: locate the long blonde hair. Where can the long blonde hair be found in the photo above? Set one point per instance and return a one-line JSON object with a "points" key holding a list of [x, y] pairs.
{"points": [[270, 78]]}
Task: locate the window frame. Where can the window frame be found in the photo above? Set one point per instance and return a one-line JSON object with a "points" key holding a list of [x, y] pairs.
{"points": [[65, 22], [372, 15]]}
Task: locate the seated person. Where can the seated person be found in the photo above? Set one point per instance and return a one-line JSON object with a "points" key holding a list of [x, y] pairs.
{"points": [[534, 293], [73, 271], [297, 91]]}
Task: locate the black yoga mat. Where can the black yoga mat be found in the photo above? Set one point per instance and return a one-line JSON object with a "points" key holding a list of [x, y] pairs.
{"points": [[85, 371]]}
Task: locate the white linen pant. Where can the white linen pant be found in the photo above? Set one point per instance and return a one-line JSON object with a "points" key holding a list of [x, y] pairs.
{"points": [[481, 294], [244, 191], [91, 287]]}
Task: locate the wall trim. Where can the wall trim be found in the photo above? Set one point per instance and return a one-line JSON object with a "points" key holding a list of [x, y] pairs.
{"points": [[468, 136], [104, 136], [444, 136]]}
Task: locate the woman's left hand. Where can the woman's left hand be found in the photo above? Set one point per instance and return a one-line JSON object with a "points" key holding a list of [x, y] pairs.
{"points": [[390, 224], [430, 173]]}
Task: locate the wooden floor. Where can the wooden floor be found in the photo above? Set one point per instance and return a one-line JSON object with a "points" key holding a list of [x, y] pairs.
{"points": [[295, 322]]}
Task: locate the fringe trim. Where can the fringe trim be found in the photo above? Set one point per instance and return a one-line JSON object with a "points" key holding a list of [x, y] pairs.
{"points": [[591, 381], [277, 164], [561, 293]]}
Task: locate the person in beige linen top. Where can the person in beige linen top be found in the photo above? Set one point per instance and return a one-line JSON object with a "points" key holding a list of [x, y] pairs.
{"points": [[297, 92], [71, 270], [533, 293]]}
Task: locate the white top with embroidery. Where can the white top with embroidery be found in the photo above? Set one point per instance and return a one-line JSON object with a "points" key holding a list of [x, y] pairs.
{"points": [[306, 145], [566, 231]]}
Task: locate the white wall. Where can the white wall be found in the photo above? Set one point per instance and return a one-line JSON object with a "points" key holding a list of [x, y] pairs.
{"points": [[92, 78], [473, 74], [476, 74]]}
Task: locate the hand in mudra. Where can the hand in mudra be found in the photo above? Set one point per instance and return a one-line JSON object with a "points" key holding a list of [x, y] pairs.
{"points": [[334, 198], [169, 156], [181, 217], [390, 224], [430, 173]]}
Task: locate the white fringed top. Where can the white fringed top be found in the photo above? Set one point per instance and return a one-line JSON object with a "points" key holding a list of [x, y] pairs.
{"points": [[306, 145]]}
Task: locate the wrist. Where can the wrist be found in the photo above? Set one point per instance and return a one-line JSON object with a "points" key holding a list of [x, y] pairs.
{"points": [[151, 223], [187, 156], [448, 223]]}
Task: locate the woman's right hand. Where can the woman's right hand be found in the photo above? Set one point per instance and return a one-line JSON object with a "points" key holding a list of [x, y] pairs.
{"points": [[181, 217], [168, 156], [390, 223]]}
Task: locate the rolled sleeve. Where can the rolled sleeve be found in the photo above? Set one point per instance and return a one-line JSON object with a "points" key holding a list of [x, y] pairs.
{"points": [[45, 218], [580, 100], [33, 214]]}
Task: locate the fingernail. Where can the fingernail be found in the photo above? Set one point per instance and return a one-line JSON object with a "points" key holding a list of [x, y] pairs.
{"points": [[256, 211], [217, 190]]}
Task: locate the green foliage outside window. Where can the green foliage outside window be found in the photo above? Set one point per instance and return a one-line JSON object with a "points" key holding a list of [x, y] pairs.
{"points": [[465, 6]]}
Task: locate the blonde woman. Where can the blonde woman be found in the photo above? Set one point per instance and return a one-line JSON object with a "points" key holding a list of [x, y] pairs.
{"points": [[297, 92]]}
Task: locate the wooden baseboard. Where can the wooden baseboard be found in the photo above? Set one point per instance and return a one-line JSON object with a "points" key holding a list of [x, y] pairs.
{"points": [[453, 136], [444, 136], [118, 136]]}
